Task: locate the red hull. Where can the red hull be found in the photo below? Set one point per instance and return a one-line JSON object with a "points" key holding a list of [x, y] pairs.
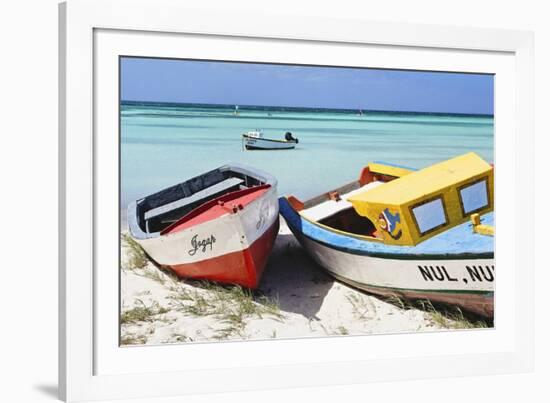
{"points": [[244, 268]]}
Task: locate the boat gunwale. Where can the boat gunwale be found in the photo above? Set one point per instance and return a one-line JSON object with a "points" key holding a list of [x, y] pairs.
{"points": [[211, 203], [132, 210]]}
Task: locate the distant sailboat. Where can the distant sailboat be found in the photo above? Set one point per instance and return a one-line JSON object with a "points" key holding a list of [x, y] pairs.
{"points": [[360, 113]]}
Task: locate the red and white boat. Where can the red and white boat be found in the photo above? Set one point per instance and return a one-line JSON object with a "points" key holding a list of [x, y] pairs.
{"points": [[219, 226]]}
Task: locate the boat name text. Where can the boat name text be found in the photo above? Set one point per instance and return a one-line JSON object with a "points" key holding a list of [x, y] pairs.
{"points": [[474, 273], [202, 244]]}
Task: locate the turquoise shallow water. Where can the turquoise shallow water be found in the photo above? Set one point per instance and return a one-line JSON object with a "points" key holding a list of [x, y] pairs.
{"points": [[165, 144]]}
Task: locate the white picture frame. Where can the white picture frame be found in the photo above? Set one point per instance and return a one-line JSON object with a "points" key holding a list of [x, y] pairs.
{"points": [[91, 367]]}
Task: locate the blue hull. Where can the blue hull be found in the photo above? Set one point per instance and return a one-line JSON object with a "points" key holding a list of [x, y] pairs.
{"points": [[457, 243]]}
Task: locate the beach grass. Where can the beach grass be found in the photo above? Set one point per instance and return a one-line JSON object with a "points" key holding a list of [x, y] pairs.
{"points": [[136, 256], [232, 306], [452, 317], [142, 313], [360, 306], [155, 275], [133, 339], [342, 330], [443, 316], [399, 302]]}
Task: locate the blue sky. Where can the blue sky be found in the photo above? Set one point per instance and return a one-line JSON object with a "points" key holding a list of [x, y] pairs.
{"points": [[163, 80]]}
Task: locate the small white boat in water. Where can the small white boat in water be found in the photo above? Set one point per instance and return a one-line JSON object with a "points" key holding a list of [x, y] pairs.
{"points": [[254, 140]]}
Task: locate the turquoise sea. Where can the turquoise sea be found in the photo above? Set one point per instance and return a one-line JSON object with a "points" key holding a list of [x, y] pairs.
{"points": [[163, 144]]}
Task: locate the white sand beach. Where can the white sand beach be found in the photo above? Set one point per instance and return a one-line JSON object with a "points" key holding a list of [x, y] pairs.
{"points": [[295, 299]]}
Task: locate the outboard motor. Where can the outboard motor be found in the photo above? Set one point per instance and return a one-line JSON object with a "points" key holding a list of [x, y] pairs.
{"points": [[289, 137]]}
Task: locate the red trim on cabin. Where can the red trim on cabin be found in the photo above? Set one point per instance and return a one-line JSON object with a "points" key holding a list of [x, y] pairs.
{"points": [[216, 208], [244, 268], [295, 203], [384, 178], [366, 176]]}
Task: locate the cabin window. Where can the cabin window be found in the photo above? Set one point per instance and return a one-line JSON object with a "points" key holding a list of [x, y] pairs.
{"points": [[474, 197], [429, 215]]}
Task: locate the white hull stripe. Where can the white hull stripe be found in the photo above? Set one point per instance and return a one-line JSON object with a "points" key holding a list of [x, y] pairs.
{"points": [[475, 275]]}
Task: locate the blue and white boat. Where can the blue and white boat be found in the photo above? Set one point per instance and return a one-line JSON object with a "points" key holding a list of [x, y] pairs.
{"points": [[425, 234]]}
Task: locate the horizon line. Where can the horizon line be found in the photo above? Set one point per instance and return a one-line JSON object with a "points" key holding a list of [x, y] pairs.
{"points": [[307, 107]]}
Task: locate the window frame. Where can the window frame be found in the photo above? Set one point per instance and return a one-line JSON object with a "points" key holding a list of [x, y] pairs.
{"points": [[426, 201], [472, 183]]}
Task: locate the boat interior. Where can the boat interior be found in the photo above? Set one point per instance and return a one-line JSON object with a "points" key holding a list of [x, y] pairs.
{"points": [[333, 210], [215, 208], [158, 211]]}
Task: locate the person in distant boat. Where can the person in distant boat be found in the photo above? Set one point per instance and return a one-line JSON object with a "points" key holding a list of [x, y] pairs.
{"points": [[289, 137]]}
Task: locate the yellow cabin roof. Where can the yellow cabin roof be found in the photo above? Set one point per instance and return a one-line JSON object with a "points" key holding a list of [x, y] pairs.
{"points": [[392, 170], [421, 183]]}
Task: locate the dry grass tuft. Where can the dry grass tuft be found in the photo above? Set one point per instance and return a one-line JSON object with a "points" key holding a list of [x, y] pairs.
{"points": [[342, 330], [142, 313], [231, 305], [451, 319], [360, 306], [137, 259], [444, 316], [132, 339]]}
